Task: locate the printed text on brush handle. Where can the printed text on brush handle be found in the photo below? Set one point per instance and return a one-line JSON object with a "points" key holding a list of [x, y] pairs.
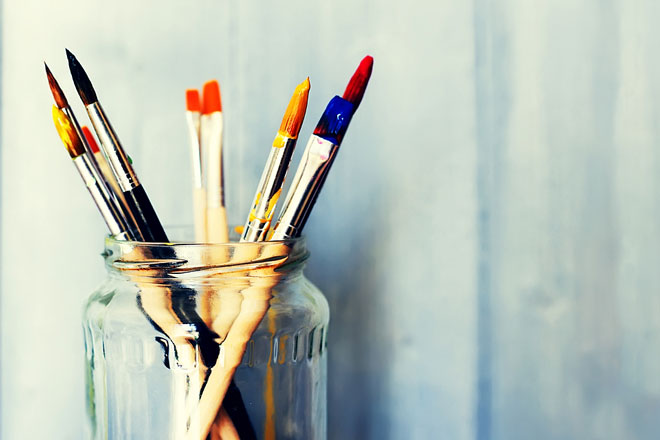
{"points": [[112, 149]]}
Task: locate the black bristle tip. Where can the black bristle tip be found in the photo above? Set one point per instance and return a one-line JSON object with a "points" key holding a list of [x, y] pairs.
{"points": [[55, 89], [81, 80]]}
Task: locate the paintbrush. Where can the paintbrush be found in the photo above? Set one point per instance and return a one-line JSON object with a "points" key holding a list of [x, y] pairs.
{"points": [[147, 221], [319, 154], [97, 161], [138, 202], [272, 178], [211, 136], [90, 176], [193, 110]]}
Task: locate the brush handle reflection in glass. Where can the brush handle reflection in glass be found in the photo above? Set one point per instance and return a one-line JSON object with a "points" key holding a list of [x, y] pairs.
{"points": [[206, 341]]}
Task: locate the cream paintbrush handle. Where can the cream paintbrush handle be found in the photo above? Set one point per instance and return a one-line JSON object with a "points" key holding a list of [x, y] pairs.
{"points": [[199, 213], [216, 227]]}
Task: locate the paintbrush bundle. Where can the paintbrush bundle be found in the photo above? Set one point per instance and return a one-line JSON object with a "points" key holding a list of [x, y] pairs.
{"points": [[123, 202]]}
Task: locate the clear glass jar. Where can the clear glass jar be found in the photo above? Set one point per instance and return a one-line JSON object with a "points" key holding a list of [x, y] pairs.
{"points": [[171, 324]]}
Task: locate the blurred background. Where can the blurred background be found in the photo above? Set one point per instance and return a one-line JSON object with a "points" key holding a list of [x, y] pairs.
{"points": [[488, 238]]}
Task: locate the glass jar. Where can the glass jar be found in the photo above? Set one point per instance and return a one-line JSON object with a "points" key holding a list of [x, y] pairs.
{"points": [[197, 341]]}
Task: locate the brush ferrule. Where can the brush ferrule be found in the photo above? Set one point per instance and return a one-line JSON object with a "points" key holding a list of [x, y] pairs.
{"points": [[309, 178], [112, 218], [211, 130], [192, 119], [269, 189], [112, 149]]}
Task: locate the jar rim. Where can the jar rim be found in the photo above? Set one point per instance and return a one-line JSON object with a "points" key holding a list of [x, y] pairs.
{"points": [[204, 259]]}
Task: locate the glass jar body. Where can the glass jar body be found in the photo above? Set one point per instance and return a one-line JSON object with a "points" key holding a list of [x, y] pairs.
{"points": [[168, 354]]}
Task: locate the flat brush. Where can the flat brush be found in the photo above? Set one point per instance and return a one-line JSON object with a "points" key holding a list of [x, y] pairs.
{"points": [[138, 202], [272, 178], [211, 136], [319, 154], [81, 160], [193, 110]]}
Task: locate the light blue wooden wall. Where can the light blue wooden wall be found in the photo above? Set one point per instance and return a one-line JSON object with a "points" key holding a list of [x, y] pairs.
{"points": [[487, 240]]}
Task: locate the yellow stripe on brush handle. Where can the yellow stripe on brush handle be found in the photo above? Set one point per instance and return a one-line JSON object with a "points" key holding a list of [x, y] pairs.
{"points": [[216, 228], [199, 213]]}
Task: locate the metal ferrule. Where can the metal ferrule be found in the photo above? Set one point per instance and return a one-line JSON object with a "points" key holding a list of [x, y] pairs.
{"points": [[192, 118], [268, 191], [112, 149], [212, 147], [309, 178], [76, 126], [112, 218], [94, 168]]}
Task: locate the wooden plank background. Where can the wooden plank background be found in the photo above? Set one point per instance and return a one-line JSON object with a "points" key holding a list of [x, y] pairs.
{"points": [[487, 240]]}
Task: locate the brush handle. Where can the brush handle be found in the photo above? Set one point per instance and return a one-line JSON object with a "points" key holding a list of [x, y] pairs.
{"points": [[146, 219], [109, 178], [111, 216], [216, 227], [199, 214]]}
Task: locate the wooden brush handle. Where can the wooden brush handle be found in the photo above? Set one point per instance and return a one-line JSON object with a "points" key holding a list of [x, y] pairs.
{"points": [[199, 213], [216, 227]]}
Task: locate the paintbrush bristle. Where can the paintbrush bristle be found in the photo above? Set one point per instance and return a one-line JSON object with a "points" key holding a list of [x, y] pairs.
{"points": [[193, 103], [91, 141], [295, 111], [358, 83], [81, 80], [211, 101], [67, 133], [55, 89], [335, 119]]}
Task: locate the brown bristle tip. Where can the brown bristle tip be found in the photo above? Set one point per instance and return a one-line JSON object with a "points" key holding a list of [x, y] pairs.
{"points": [[295, 111], [211, 101], [90, 139], [193, 103], [55, 89], [67, 133]]}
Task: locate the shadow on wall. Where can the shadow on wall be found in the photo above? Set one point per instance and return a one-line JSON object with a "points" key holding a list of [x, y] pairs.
{"points": [[344, 269]]}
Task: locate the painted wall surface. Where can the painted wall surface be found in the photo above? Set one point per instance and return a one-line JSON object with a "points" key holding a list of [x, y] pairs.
{"points": [[487, 240]]}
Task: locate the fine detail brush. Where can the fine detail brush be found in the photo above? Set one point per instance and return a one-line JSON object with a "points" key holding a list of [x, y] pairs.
{"points": [[319, 154], [211, 126], [81, 160], [138, 202], [272, 178], [193, 110], [96, 160]]}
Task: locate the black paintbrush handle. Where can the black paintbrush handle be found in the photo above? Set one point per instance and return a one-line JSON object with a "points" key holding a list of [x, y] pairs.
{"points": [[145, 217]]}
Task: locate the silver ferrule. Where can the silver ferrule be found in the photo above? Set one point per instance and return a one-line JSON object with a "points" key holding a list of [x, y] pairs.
{"points": [[268, 191], [192, 118], [309, 178], [211, 126], [112, 218], [112, 149]]}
